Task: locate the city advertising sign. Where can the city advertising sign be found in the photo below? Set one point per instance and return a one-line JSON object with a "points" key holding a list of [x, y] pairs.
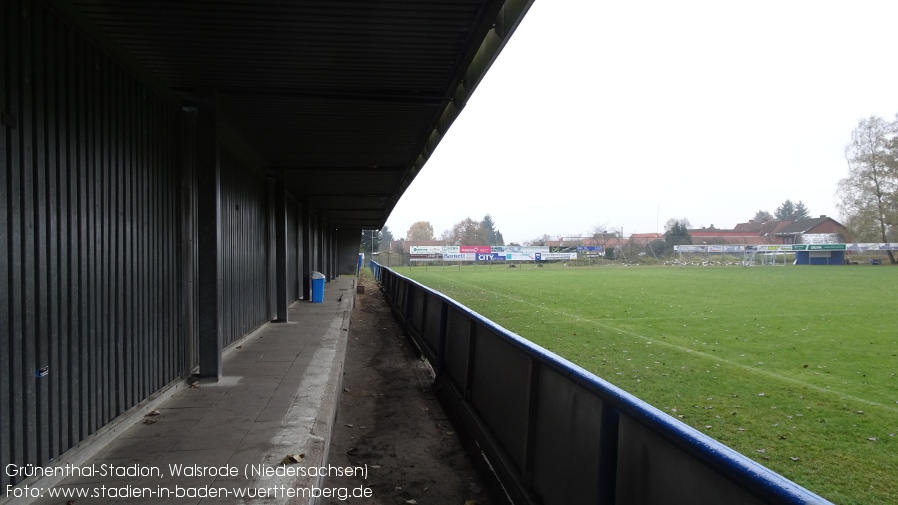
{"points": [[490, 256]]}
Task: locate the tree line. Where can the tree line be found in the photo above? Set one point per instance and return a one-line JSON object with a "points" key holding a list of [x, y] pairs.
{"points": [[465, 232], [867, 200]]}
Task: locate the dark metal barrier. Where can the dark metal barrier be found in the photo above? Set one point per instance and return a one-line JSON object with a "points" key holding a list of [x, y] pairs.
{"points": [[557, 434]]}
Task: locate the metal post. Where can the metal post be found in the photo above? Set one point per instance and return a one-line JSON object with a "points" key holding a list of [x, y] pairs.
{"points": [[280, 234], [209, 243]]}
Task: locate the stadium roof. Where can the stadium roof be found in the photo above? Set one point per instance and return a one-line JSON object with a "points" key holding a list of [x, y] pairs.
{"points": [[348, 99]]}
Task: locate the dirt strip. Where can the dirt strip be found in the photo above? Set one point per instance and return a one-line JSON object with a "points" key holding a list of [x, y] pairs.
{"points": [[389, 420]]}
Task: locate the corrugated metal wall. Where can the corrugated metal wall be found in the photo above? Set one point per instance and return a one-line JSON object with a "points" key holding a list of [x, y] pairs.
{"points": [[246, 302], [98, 250], [89, 238]]}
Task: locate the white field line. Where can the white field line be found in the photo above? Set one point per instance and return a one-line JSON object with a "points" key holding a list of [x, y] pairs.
{"points": [[712, 357]]}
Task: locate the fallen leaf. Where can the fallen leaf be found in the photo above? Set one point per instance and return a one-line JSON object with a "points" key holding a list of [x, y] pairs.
{"points": [[153, 413], [292, 458], [353, 451], [872, 439], [410, 502], [350, 426], [148, 420]]}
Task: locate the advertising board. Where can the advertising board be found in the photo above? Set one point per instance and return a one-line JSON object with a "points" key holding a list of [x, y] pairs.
{"points": [[459, 257], [558, 256], [426, 249]]}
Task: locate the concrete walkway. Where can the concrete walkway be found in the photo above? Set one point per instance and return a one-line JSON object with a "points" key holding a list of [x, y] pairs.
{"points": [[277, 399]]}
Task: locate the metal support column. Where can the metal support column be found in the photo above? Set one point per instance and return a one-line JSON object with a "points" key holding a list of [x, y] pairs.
{"points": [[305, 226], [280, 234], [188, 220], [208, 180], [320, 235]]}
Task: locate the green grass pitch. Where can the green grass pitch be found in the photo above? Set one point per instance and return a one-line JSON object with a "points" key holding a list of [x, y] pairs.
{"points": [[795, 367]]}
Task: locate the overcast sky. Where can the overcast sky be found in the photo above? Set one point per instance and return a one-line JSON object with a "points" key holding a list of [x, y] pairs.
{"points": [[627, 114]]}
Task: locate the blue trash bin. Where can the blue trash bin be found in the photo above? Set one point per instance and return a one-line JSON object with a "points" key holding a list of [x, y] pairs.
{"points": [[317, 287]]}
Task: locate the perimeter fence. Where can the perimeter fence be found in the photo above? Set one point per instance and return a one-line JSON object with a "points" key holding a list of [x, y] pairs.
{"points": [[555, 433]]}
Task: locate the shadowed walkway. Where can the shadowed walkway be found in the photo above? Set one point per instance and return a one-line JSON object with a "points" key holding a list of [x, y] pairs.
{"points": [[277, 398]]}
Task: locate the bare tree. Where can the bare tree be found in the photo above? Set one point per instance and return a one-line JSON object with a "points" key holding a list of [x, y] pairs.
{"points": [[466, 232], [537, 241], [601, 234], [420, 230], [869, 195]]}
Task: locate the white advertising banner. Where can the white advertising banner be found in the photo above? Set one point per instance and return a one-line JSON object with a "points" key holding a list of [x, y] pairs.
{"points": [[459, 256], [558, 256], [426, 249]]}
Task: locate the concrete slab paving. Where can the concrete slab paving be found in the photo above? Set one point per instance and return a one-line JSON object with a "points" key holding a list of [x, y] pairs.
{"points": [[225, 442]]}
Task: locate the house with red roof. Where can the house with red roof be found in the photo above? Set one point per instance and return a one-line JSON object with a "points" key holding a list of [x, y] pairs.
{"points": [[819, 230]]}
